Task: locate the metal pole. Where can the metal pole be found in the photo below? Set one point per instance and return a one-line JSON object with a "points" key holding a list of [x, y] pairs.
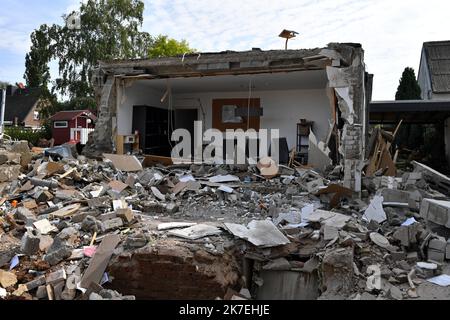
{"points": [[2, 119]]}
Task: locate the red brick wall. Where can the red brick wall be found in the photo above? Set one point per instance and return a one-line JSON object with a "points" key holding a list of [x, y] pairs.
{"points": [[174, 273]]}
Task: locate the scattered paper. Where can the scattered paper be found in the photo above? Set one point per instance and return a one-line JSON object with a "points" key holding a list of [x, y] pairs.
{"points": [[409, 222], [3, 293], [14, 262], [443, 280], [105, 279]]}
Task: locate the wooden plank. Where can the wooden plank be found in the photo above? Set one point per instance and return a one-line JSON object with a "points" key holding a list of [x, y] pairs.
{"points": [[66, 211], [100, 261]]}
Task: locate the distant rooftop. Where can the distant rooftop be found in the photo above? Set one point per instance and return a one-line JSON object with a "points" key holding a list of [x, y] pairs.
{"points": [[437, 55]]}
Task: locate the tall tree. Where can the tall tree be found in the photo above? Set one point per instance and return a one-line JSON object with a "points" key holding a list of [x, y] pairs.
{"points": [[37, 71], [109, 29], [163, 46], [410, 135], [408, 88]]}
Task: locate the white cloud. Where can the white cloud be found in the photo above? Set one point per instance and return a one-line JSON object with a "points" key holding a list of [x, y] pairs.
{"points": [[391, 32]]}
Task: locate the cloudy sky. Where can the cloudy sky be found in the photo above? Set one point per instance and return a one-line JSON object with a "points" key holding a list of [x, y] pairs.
{"points": [[391, 32]]}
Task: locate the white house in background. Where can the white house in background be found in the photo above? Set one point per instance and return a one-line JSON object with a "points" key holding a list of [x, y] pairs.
{"points": [[434, 70], [434, 78], [254, 89]]}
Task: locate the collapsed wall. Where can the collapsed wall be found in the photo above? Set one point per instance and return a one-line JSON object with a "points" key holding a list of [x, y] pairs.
{"points": [[347, 77], [348, 83]]}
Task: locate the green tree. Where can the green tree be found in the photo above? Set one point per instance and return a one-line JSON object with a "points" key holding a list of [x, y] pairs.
{"points": [[37, 72], [408, 88], [163, 46], [109, 29], [409, 135], [3, 84]]}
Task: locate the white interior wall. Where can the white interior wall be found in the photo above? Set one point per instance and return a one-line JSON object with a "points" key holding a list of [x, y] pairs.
{"points": [[282, 108], [136, 94]]}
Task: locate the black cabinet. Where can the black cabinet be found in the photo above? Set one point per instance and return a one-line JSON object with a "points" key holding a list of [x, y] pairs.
{"points": [[154, 131]]}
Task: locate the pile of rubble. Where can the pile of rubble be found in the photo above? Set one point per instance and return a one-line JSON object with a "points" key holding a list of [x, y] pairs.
{"points": [[299, 234]]}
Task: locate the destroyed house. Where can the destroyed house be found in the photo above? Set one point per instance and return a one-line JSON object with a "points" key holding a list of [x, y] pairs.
{"points": [[317, 99]]}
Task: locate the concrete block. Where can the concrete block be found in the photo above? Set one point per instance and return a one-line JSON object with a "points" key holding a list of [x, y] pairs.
{"points": [[436, 211], [9, 173], [41, 292], [42, 196], [437, 256], [30, 244], [437, 249], [112, 224], [39, 281], [25, 215], [56, 277], [126, 214], [438, 244]]}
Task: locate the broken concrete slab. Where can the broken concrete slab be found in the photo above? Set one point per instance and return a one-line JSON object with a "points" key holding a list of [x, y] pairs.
{"points": [[260, 233], [436, 211], [196, 232], [44, 227], [375, 210], [329, 218], [175, 225], [436, 179], [66, 211], [30, 243], [124, 163], [224, 178]]}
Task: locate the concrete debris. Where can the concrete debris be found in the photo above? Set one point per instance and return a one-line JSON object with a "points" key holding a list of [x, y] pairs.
{"points": [[260, 233], [375, 210], [295, 234], [196, 232]]}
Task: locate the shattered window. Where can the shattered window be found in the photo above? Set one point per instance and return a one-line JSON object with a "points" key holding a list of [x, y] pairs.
{"points": [[229, 114]]}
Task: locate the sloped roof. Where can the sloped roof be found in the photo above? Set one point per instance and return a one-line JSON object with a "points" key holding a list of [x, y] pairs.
{"points": [[438, 60], [20, 104], [70, 115]]}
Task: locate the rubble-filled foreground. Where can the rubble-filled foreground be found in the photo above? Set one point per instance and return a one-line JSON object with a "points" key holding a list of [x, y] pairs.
{"points": [[73, 228]]}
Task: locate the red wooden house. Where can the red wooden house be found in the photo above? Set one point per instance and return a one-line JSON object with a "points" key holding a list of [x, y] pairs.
{"points": [[72, 126]]}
